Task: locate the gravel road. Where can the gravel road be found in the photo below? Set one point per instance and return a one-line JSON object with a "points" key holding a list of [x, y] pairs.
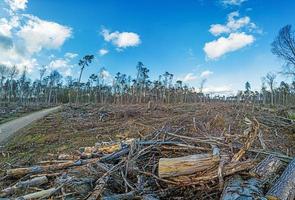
{"points": [[9, 128]]}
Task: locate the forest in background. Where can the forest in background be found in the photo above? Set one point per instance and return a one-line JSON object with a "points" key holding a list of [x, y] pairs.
{"points": [[52, 88]]}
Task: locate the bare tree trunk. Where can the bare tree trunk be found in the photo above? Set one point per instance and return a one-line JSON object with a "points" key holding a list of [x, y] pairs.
{"points": [[78, 86]]}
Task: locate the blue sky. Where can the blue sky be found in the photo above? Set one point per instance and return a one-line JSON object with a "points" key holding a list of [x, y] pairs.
{"points": [[225, 41]]}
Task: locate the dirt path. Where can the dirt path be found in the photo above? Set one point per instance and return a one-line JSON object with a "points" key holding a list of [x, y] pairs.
{"points": [[9, 128]]}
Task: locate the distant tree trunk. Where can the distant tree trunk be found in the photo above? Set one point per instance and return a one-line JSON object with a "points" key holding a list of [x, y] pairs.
{"points": [[78, 87]]}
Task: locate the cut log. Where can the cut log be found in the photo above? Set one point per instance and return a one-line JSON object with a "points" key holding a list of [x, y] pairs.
{"points": [[24, 184], [171, 167], [39, 195], [237, 188], [267, 168], [211, 174], [284, 187]]}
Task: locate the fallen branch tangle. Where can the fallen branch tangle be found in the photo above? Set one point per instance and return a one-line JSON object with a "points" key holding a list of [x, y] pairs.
{"points": [[150, 169]]}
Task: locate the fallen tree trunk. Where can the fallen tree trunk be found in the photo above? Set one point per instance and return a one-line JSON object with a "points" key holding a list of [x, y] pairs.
{"points": [[171, 167], [24, 184], [211, 174], [267, 168], [237, 188], [18, 172], [39, 195], [284, 188]]}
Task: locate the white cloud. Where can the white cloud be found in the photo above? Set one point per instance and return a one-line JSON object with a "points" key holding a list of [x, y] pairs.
{"points": [[40, 34], [206, 74], [232, 24], [217, 29], [11, 56], [189, 77], [223, 45], [233, 2], [22, 36], [71, 55], [121, 40], [63, 65], [17, 4], [6, 25], [104, 74], [225, 89], [103, 52]]}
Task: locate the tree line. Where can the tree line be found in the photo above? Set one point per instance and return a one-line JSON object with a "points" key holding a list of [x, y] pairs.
{"points": [[52, 88]]}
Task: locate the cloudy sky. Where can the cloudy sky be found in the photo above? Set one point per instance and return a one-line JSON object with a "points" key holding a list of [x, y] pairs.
{"points": [[225, 41]]}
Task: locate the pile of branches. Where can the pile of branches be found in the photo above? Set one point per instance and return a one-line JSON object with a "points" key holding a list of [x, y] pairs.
{"points": [[161, 165]]}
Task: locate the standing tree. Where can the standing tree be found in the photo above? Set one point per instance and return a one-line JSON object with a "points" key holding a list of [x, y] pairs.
{"points": [[85, 61], [54, 79], [12, 74], [270, 80], [284, 47], [203, 81]]}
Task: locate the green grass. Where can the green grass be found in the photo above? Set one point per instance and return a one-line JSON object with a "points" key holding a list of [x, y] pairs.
{"points": [[292, 116]]}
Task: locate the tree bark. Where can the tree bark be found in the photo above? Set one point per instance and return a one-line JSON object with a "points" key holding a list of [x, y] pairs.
{"points": [[284, 187], [237, 188], [267, 168]]}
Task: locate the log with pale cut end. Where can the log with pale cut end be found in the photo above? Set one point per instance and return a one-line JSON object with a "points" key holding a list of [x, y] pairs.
{"points": [[104, 148], [284, 187], [24, 184], [237, 188], [267, 168], [171, 167], [68, 157]]}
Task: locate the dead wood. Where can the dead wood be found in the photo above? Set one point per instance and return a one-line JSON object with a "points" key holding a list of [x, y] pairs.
{"points": [[39, 195], [211, 174], [23, 185], [252, 134], [171, 167], [284, 187], [267, 168], [237, 188]]}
